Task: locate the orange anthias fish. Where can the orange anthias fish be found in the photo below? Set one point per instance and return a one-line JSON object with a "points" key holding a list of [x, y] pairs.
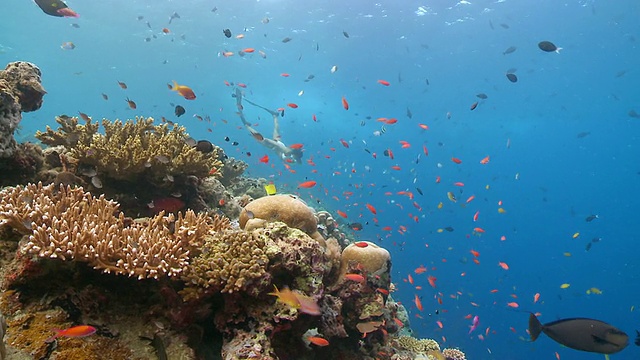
{"points": [[318, 341], [418, 303], [303, 303], [345, 104], [307, 184], [184, 91], [73, 332]]}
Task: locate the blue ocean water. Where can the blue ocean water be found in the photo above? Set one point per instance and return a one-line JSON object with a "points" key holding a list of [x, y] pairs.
{"points": [[561, 143]]}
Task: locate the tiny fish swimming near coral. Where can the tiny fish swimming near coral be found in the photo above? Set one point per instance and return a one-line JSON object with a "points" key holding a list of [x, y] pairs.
{"points": [[73, 332]]}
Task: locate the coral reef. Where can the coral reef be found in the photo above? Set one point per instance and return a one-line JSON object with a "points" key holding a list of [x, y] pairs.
{"points": [[131, 150], [370, 256], [285, 208], [453, 354], [68, 223], [20, 91], [328, 227]]}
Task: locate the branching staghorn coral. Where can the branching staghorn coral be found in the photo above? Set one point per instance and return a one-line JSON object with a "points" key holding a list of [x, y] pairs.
{"points": [[131, 149], [69, 224]]}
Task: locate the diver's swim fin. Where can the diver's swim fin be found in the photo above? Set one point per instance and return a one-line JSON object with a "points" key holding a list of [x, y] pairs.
{"points": [[51, 7]]}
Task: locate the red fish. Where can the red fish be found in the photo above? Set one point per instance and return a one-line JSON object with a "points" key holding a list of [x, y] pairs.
{"points": [[384, 82], [355, 277], [418, 303], [345, 104], [432, 281], [474, 324], [264, 159], [296, 146], [166, 204], [314, 117], [342, 213], [73, 332], [184, 91], [371, 208], [484, 160], [344, 143], [292, 105], [456, 160], [307, 184], [361, 244], [318, 341], [249, 50]]}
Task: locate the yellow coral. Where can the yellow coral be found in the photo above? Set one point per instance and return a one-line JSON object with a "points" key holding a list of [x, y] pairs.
{"points": [[132, 148], [68, 223], [417, 345], [229, 261]]}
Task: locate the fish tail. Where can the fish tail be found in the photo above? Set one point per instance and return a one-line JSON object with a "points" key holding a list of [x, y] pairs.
{"points": [[535, 327], [54, 336], [175, 86]]}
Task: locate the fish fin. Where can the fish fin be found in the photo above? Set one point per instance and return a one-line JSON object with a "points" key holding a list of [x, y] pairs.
{"points": [[175, 86], [535, 327], [54, 336]]}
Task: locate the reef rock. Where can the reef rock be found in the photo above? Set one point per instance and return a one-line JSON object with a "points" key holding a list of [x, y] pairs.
{"points": [[288, 209], [20, 90]]}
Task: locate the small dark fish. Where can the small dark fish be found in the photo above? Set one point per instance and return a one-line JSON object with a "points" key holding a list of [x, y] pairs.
{"points": [[105, 96], [148, 25], [235, 143], [311, 77], [346, 34], [419, 191], [509, 50], [596, 239], [426, 81], [317, 46], [632, 113], [386, 152], [548, 46], [592, 217], [75, 25], [473, 106], [140, 17], [179, 111], [512, 77], [158, 345], [227, 33], [583, 134], [504, 26], [215, 8], [637, 341], [581, 334], [449, 229], [226, 138], [173, 16], [621, 73], [355, 226], [190, 141], [409, 113], [588, 247], [482, 96], [491, 25], [286, 40], [204, 146]]}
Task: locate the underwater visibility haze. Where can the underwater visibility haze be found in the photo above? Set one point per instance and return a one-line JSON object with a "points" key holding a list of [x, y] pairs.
{"points": [[492, 147]]}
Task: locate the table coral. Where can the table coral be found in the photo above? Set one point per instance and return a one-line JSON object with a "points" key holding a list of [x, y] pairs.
{"points": [[67, 223], [20, 91], [131, 149]]}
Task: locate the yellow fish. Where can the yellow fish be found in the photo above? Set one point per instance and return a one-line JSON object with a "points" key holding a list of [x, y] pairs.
{"points": [[501, 210], [270, 189], [565, 286], [451, 196], [440, 205], [595, 291], [576, 235]]}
